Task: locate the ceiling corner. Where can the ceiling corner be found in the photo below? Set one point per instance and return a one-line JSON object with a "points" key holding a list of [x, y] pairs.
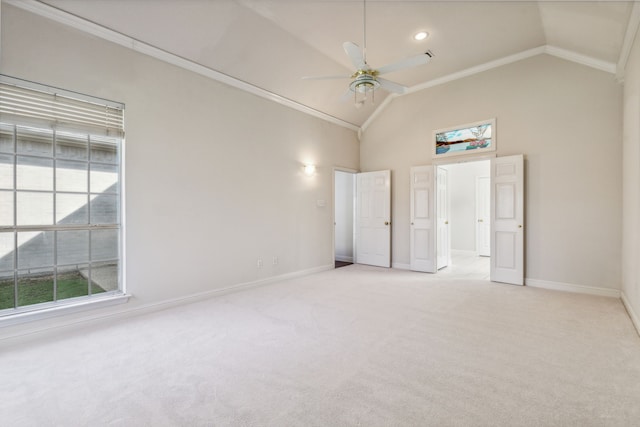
{"points": [[579, 58], [630, 34]]}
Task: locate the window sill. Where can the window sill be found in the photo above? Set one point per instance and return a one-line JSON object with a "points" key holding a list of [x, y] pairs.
{"points": [[42, 311]]}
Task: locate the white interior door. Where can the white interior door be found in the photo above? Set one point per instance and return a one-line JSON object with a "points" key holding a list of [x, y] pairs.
{"points": [[507, 215], [422, 230], [373, 218], [483, 215], [442, 218]]}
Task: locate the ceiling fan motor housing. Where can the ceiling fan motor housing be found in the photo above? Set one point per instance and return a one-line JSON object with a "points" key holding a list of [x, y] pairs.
{"points": [[365, 81]]}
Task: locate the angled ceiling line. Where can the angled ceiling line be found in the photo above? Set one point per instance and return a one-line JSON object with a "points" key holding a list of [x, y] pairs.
{"points": [[113, 36], [118, 38], [630, 34], [542, 26], [568, 55], [578, 58]]}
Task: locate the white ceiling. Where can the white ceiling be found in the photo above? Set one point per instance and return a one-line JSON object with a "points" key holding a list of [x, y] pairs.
{"points": [[272, 44]]}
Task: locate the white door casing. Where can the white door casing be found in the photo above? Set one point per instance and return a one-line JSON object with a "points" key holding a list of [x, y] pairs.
{"points": [[442, 218], [507, 219], [422, 238], [483, 216], [373, 218]]}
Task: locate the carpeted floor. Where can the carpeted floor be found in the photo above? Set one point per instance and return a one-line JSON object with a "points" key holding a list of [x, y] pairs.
{"points": [[355, 346]]}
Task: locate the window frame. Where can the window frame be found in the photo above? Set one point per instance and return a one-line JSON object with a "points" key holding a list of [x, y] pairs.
{"points": [[19, 314]]}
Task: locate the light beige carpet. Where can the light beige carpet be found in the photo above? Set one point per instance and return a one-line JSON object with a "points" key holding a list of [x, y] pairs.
{"points": [[356, 346]]}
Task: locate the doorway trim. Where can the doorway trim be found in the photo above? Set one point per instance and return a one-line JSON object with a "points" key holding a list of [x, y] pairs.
{"points": [[456, 160], [434, 167]]}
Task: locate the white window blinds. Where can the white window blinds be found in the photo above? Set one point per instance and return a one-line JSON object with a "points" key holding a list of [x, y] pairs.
{"points": [[58, 109]]}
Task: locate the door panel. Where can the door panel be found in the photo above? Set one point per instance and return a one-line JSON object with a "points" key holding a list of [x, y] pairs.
{"points": [[506, 250], [422, 219], [507, 219], [505, 201], [373, 218]]}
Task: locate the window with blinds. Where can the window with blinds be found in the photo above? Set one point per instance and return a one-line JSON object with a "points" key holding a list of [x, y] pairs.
{"points": [[60, 192]]}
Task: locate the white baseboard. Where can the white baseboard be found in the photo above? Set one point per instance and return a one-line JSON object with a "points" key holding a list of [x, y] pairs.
{"points": [[66, 308], [344, 258], [401, 266], [570, 287], [632, 314], [157, 306]]}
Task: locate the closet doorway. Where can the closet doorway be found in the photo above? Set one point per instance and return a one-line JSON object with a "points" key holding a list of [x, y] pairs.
{"points": [[432, 228], [466, 194]]}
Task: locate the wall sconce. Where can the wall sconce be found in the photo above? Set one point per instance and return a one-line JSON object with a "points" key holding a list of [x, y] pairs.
{"points": [[309, 169]]}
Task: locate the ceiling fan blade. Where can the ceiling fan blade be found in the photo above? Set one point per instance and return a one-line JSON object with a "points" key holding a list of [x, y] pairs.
{"points": [[412, 61], [391, 86], [355, 54], [325, 77]]}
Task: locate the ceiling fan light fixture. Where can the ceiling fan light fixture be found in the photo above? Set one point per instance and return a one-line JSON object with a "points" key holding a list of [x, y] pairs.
{"points": [[365, 80], [420, 35], [364, 83]]}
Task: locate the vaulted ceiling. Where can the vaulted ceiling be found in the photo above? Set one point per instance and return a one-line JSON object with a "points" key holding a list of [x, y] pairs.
{"points": [[273, 44]]}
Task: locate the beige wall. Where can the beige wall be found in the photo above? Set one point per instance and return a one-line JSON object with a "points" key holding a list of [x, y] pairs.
{"points": [[631, 184], [566, 120], [213, 175]]}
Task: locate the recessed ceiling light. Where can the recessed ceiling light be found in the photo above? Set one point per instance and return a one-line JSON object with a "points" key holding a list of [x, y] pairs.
{"points": [[421, 35]]}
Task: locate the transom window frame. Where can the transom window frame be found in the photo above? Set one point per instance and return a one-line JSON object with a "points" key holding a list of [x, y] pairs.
{"points": [[43, 112]]}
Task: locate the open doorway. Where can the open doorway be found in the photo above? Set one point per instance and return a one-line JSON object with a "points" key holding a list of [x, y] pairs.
{"points": [[506, 219], [344, 197], [464, 249]]}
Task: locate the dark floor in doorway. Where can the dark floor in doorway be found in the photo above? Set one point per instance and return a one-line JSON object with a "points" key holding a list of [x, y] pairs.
{"points": [[342, 264]]}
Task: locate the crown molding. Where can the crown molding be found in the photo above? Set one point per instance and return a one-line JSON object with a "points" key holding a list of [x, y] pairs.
{"points": [[478, 69], [629, 37], [456, 76], [378, 111], [546, 49], [94, 29], [569, 55]]}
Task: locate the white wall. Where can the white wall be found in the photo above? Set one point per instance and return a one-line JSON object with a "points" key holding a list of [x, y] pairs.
{"points": [[462, 194], [214, 176], [344, 193], [566, 119], [631, 185]]}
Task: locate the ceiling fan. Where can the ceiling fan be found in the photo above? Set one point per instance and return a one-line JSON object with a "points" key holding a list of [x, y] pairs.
{"points": [[365, 79]]}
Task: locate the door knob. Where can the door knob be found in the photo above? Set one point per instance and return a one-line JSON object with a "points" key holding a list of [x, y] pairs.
{"points": [[411, 223], [519, 226], [446, 222], [480, 220], [386, 223]]}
